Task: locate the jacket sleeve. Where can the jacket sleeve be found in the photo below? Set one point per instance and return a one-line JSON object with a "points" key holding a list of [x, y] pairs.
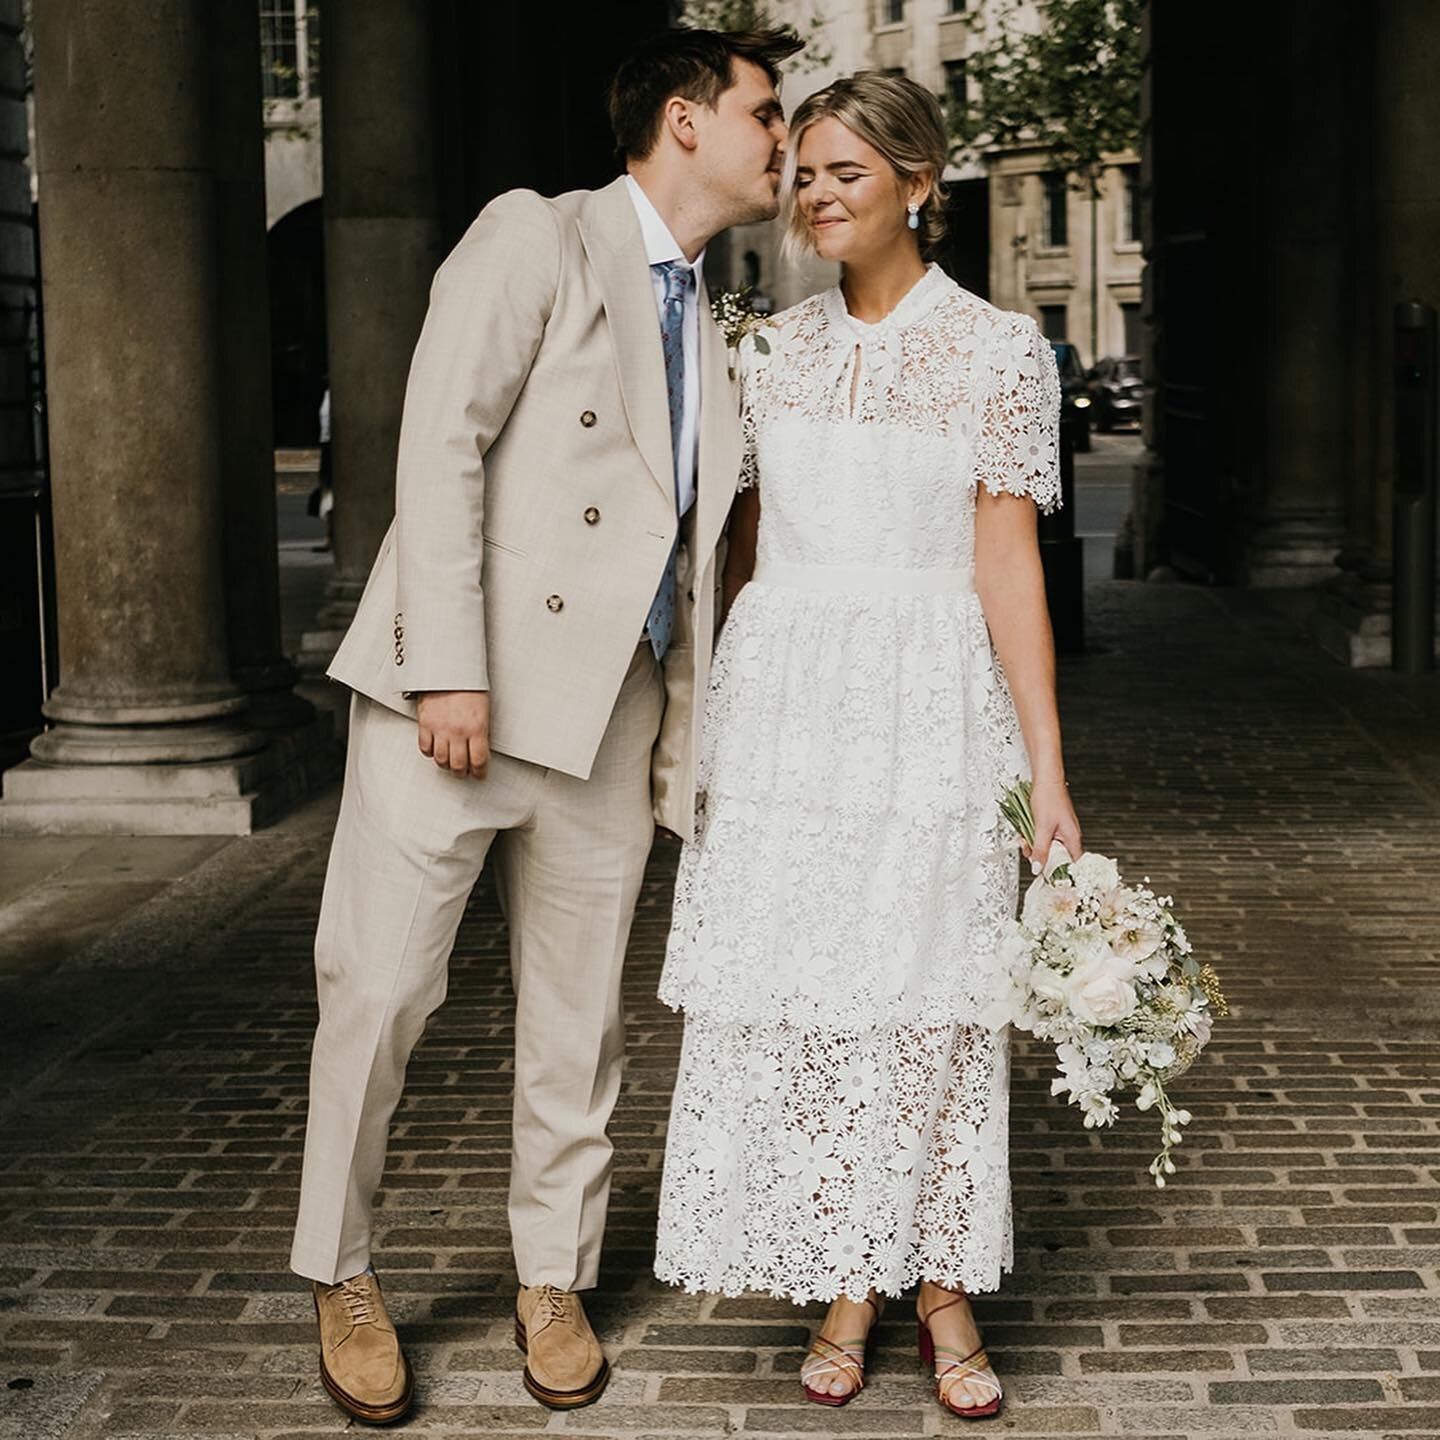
{"points": [[489, 305]]}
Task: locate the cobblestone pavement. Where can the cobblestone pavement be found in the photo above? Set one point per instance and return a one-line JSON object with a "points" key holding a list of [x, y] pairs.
{"points": [[1286, 1281]]}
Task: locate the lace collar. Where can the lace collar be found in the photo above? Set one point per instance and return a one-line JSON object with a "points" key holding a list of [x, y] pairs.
{"points": [[915, 304]]}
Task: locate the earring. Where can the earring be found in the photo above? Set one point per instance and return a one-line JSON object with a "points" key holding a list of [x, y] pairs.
{"points": [[914, 221]]}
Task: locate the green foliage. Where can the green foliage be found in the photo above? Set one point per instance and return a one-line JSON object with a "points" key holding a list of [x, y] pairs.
{"points": [[802, 16], [1072, 85]]}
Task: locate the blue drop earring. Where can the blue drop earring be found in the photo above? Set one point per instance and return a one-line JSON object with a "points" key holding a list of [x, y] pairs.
{"points": [[914, 218]]}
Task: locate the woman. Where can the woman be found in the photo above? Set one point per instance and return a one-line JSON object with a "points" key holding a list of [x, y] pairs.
{"points": [[839, 1124]]}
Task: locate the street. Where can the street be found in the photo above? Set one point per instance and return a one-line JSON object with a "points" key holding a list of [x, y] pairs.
{"points": [[1285, 1281]]}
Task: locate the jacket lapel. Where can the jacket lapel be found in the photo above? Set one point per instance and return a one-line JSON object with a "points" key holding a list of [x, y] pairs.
{"points": [[610, 232], [720, 441]]}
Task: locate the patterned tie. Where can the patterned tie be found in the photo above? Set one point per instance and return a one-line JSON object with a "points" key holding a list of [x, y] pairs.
{"points": [[679, 279]]}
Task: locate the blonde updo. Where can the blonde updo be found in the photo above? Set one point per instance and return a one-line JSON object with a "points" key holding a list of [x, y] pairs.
{"points": [[900, 119]]}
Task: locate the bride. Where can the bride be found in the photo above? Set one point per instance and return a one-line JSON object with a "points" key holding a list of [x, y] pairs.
{"points": [[839, 1127]]}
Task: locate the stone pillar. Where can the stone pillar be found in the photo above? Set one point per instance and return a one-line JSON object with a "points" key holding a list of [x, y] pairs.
{"points": [[149, 732], [246, 428], [1400, 117], [130, 293], [383, 245], [1293, 525]]}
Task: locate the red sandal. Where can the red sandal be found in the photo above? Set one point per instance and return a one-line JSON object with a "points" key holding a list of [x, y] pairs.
{"points": [[954, 1369], [829, 1358]]}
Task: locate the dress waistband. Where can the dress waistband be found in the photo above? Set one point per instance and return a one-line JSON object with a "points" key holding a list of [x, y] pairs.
{"points": [[865, 579]]}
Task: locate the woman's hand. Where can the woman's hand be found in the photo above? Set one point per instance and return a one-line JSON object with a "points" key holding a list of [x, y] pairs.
{"points": [[1055, 819]]}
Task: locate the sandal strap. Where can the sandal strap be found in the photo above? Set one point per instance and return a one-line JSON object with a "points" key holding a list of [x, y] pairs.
{"points": [[825, 1355], [974, 1367], [929, 1314]]}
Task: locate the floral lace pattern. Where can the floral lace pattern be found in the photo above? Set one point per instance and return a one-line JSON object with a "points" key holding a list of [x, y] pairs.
{"points": [[840, 1118], [811, 1164]]}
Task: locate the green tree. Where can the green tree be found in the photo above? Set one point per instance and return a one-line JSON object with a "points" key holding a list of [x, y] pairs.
{"points": [[1069, 82], [802, 16], [1072, 84]]}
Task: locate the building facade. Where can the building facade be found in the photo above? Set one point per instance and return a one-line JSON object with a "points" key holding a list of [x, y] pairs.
{"points": [[1021, 234]]}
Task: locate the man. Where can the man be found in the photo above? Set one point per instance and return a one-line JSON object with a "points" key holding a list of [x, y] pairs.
{"points": [[568, 454]]}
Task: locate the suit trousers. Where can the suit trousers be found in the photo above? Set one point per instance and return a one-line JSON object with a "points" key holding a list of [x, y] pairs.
{"points": [[409, 846]]}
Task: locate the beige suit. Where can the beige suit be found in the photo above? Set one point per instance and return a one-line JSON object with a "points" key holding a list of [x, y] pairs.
{"points": [[535, 511]]}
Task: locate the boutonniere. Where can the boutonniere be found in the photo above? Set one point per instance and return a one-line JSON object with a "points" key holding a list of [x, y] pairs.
{"points": [[736, 319]]}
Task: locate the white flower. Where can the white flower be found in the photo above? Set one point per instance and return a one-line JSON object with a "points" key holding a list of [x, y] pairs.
{"points": [[1137, 940], [811, 1161], [1099, 997], [1094, 874], [1161, 1054], [845, 1249], [857, 1083], [909, 1148]]}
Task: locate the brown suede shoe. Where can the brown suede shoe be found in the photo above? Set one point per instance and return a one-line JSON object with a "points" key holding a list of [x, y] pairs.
{"points": [[564, 1365], [361, 1363]]}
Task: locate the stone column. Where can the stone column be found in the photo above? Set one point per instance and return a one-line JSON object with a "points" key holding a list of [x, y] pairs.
{"points": [[128, 257], [1294, 516], [149, 732], [246, 428], [1399, 196], [382, 246]]}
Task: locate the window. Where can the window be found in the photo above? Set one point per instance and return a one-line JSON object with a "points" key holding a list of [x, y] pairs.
{"points": [[954, 7], [956, 86], [1052, 322], [1057, 197], [892, 12], [289, 49], [1134, 328], [1130, 205]]}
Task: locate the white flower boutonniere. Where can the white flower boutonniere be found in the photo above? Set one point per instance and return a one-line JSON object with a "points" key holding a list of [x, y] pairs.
{"points": [[736, 319]]}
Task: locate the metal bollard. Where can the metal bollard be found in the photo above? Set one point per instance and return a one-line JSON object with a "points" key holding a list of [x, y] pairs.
{"points": [[1063, 556], [1413, 612]]}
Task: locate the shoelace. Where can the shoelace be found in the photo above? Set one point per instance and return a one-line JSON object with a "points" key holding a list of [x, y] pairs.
{"points": [[556, 1301], [359, 1302]]}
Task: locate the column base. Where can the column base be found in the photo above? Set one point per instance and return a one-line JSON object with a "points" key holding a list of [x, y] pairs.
{"points": [[1353, 621], [318, 646], [1293, 553], [225, 797]]}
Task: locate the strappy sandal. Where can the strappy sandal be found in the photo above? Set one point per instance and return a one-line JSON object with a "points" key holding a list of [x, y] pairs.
{"points": [[956, 1369], [828, 1358]]}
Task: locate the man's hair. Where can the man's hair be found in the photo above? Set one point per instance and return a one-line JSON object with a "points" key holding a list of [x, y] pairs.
{"points": [[695, 64]]}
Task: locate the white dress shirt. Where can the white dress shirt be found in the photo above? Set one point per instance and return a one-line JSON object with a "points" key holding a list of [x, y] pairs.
{"points": [[660, 246]]}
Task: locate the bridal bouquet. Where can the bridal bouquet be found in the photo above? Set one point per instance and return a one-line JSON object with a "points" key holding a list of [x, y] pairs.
{"points": [[1104, 970]]}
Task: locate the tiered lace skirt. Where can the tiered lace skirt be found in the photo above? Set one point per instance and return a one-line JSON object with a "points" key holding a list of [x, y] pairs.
{"points": [[840, 1118]]}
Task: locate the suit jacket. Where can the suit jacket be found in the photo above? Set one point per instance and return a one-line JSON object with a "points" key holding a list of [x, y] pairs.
{"points": [[535, 500]]}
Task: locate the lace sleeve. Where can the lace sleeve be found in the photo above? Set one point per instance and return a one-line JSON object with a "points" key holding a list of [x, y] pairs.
{"points": [[1017, 443]]}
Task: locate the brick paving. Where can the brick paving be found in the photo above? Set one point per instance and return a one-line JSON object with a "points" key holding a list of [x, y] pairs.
{"points": [[1285, 1283]]}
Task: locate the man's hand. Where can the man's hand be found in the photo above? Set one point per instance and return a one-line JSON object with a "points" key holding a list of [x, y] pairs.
{"points": [[455, 730]]}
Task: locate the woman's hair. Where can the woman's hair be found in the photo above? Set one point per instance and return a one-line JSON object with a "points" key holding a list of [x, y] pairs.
{"points": [[698, 64], [900, 119]]}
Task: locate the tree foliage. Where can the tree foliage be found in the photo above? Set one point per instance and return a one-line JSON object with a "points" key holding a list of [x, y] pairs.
{"points": [[802, 16], [1071, 85]]}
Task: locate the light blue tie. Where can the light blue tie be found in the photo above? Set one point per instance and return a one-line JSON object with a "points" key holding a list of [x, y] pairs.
{"points": [[679, 278]]}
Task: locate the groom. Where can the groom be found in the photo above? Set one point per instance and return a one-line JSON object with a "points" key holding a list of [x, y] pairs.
{"points": [[529, 662]]}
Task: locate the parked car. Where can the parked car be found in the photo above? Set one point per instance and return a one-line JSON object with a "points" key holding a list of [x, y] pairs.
{"points": [[1115, 392], [1075, 401]]}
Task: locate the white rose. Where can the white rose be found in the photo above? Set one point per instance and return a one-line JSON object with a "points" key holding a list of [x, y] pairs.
{"points": [[1099, 997], [1094, 874]]}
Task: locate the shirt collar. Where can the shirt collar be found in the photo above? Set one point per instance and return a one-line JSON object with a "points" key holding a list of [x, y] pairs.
{"points": [[660, 244]]}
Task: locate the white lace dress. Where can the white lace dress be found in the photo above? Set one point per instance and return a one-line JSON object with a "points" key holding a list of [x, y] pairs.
{"points": [[840, 1119]]}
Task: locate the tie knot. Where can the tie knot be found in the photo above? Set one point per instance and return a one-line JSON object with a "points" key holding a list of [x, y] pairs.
{"points": [[679, 279]]}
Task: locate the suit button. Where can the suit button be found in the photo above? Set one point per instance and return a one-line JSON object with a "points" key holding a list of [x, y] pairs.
{"points": [[555, 604], [587, 418], [592, 516], [399, 657]]}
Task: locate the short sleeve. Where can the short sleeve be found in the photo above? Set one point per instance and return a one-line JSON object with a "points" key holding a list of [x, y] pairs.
{"points": [[1017, 438]]}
